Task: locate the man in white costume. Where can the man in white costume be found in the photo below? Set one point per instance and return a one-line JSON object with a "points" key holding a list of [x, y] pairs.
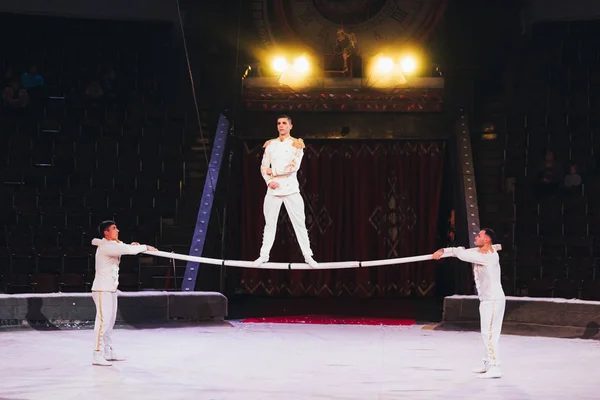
{"points": [[280, 163], [487, 275], [104, 289]]}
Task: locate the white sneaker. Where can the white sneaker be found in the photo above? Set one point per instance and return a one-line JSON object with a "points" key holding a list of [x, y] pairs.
{"points": [[311, 262], [259, 261], [492, 373], [98, 359], [481, 370], [111, 355]]}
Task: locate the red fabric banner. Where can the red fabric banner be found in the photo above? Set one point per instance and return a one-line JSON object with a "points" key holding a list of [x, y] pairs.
{"points": [[364, 200]]}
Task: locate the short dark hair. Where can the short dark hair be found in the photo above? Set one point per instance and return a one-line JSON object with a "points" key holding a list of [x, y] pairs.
{"points": [[285, 116], [491, 234], [104, 225]]}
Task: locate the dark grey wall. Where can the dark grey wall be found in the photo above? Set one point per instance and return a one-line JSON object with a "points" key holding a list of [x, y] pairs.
{"points": [[362, 125], [561, 10], [157, 10]]}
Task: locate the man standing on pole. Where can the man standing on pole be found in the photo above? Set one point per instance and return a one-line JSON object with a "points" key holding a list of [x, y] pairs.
{"points": [[280, 163]]}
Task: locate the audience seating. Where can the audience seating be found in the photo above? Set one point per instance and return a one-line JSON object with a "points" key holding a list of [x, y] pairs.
{"points": [[67, 162], [555, 107]]}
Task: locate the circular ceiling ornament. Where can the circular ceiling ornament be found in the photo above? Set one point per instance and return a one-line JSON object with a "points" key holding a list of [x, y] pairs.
{"points": [[315, 24]]}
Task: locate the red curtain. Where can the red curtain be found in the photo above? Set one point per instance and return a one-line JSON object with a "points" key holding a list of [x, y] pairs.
{"points": [[364, 200]]}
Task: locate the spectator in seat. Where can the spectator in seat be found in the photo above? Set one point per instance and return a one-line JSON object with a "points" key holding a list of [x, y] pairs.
{"points": [[573, 179], [15, 97], [94, 91], [550, 176], [109, 83], [32, 79], [8, 76]]}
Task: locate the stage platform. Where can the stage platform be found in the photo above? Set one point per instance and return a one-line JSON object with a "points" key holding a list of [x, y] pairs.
{"points": [[551, 317], [250, 361], [71, 310]]}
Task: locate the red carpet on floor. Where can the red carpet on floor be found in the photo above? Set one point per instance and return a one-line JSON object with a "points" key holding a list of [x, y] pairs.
{"points": [[329, 320]]}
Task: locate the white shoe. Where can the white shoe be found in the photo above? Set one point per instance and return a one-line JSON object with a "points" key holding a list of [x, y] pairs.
{"points": [[492, 373], [99, 359], [259, 261], [311, 262], [481, 370], [111, 355]]}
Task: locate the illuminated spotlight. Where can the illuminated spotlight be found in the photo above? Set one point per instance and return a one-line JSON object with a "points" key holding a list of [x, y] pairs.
{"points": [[384, 73], [301, 65], [408, 65], [280, 64], [384, 65]]}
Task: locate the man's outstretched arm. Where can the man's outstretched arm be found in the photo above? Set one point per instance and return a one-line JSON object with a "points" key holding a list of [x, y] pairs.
{"points": [[471, 255], [115, 249]]}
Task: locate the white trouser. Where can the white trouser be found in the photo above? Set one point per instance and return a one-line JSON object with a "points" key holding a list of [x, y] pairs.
{"points": [[491, 314], [106, 315], [294, 204]]}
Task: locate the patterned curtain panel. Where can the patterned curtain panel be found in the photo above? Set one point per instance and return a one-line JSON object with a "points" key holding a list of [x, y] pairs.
{"points": [[365, 200]]}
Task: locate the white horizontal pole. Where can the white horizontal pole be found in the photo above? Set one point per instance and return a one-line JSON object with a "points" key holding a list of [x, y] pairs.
{"points": [[298, 266]]}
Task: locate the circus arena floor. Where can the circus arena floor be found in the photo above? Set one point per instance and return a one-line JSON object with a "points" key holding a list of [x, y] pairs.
{"points": [[248, 361]]}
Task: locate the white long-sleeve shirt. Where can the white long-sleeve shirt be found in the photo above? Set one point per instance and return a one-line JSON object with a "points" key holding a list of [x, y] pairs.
{"points": [[486, 271], [108, 257], [284, 158]]}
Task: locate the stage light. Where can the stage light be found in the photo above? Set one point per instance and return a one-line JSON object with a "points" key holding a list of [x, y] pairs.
{"points": [[408, 65], [383, 72], [280, 64], [384, 65], [301, 65]]}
